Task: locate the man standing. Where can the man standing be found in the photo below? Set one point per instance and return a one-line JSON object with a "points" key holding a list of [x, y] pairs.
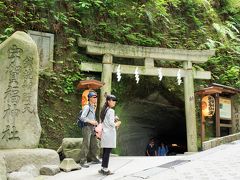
{"points": [[89, 138]]}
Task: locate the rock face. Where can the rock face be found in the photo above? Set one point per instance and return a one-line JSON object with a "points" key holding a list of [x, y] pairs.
{"points": [[153, 117], [17, 158], [71, 148], [49, 170], [19, 122]]}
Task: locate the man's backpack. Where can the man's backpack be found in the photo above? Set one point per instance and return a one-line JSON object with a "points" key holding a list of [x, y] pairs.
{"points": [[80, 122]]}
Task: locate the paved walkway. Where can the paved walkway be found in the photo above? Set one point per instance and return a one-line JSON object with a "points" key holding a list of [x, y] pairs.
{"points": [[219, 163]]}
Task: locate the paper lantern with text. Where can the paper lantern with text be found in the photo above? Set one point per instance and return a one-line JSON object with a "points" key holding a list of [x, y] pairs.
{"points": [[208, 105]]}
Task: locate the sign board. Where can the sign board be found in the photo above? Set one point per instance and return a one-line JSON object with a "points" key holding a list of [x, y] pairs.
{"points": [[225, 108]]}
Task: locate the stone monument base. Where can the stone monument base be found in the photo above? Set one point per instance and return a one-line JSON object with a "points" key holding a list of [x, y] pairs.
{"points": [[3, 171], [17, 158]]}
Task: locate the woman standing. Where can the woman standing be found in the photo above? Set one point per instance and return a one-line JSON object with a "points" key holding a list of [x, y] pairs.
{"points": [[109, 135]]}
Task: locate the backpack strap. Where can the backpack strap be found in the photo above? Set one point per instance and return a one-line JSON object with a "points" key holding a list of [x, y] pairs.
{"points": [[85, 124], [88, 110]]}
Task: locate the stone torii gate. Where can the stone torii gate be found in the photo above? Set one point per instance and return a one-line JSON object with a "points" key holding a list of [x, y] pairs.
{"points": [[148, 55]]}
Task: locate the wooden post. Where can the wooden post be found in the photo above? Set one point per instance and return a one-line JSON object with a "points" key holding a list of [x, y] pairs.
{"points": [[202, 129], [190, 108], [218, 133], [106, 77], [202, 123], [233, 121]]}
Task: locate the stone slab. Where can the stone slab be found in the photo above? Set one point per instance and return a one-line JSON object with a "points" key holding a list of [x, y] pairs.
{"points": [[17, 158], [68, 164], [45, 45], [3, 170], [19, 122]]}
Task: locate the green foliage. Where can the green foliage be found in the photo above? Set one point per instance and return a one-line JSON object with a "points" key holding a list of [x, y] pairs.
{"points": [[61, 18], [231, 76], [225, 70], [69, 86], [187, 24]]}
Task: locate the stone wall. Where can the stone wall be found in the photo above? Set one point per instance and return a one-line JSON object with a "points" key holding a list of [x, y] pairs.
{"points": [[221, 140]]}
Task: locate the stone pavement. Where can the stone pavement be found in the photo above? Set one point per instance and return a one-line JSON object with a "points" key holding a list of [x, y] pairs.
{"points": [[219, 163]]}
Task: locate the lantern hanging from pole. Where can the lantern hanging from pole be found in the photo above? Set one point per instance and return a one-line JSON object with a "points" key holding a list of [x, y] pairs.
{"points": [[208, 105]]}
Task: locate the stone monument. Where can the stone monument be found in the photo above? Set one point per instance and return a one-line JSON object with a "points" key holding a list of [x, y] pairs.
{"points": [[20, 128], [19, 122]]}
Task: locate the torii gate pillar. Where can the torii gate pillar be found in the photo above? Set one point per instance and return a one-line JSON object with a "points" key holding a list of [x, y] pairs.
{"points": [[106, 77], [190, 111]]}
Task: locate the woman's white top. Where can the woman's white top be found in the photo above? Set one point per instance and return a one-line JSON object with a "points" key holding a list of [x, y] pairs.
{"points": [[109, 136]]}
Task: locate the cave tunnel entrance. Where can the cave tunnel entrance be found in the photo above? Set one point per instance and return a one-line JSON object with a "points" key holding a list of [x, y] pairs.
{"points": [[146, 119]]}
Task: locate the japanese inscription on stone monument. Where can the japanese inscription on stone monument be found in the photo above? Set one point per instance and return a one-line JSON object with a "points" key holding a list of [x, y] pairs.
{"points": [[11, 95]]}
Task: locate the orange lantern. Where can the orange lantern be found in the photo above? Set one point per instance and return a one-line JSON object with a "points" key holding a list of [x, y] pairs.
{"points": [[208, 105]]}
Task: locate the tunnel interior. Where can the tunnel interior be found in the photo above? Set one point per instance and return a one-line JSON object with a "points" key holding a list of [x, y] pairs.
{"points": [[155, 118]]}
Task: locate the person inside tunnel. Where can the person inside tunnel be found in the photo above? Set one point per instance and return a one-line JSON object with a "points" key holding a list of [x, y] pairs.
{"points": [[162, 149], [151, 149]]}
